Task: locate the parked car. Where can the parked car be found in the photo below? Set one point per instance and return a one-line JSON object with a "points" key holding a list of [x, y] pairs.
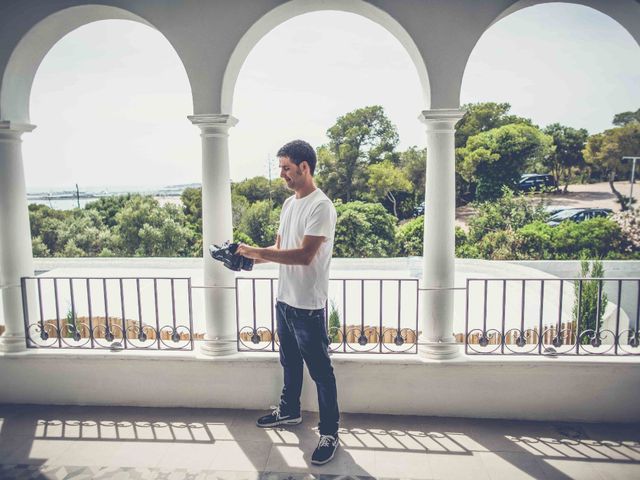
{"points": [[536, 181], [578, 215]]}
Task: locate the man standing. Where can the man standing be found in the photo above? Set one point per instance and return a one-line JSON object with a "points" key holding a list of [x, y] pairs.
{"points": [[303, 249]]}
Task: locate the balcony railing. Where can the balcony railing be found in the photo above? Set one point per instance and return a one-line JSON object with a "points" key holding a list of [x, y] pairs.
{"points": [[569, 316], [503, 316], [108, 313], [372, 315]]}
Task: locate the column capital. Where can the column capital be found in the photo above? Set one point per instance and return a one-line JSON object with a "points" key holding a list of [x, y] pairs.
{"points": [[441, 119], [15, 128], [213, 120]]}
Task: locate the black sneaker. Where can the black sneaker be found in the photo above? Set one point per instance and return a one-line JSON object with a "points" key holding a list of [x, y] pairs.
{"points": [[325, 450], [276, 418]]}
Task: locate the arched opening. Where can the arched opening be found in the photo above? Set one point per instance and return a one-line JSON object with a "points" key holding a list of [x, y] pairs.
{"points": [[580, 69], [309, 70], [109, 100], [295, 8]]}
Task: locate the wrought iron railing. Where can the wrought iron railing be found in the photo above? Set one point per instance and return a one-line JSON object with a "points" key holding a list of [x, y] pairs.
{"points": [[108, 312], [362, 315], [569, 316]]}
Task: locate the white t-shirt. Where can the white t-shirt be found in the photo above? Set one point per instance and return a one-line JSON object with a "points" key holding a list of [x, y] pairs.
{"points": [[306, 286]]}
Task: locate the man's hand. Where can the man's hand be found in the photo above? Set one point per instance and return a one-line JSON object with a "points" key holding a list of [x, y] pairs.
{"points": [[249, 252]]}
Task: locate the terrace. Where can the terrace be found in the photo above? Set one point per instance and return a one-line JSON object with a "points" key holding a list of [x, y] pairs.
{"points": [[161, 365]]}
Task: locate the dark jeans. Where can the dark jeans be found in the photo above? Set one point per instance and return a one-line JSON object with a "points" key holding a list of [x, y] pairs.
{"points": [[303, 336]]}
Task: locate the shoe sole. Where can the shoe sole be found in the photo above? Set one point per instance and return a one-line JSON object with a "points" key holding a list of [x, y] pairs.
{"points": [[292, 421], [315, 462]]}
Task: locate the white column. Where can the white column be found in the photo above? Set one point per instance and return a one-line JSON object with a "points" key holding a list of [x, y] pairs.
{"points": [[16, 257], [438, 273], [217, 227]]}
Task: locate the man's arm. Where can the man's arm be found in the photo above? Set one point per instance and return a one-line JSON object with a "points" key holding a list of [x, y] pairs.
{"points": [[292, 256], [276, 246]]}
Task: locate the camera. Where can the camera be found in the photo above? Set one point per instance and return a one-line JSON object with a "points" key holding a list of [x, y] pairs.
{"points": [[227, 255]]}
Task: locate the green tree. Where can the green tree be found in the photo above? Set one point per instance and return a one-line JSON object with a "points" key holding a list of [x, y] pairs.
{"points": [[260, 223], [191, 199], [146, 229], [482, 117], [413, 163], [498, 157], [46, 224], [605, 151], [567, 155], [260, 188], [358, 139], [165, 235], [509, 212], [108, 207], [410, 237], [386, 181], [364, 230], [625, 118]]}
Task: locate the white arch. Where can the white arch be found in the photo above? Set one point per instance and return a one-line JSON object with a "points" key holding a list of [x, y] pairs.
{"points": [[624, 13], [294, 8], [17, 80]]}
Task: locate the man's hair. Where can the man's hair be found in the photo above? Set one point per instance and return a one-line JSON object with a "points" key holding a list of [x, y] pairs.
{"points": [[299, 151]]}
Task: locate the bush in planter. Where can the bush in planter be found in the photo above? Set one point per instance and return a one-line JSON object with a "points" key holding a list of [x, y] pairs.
{"points": [[586, 314]]}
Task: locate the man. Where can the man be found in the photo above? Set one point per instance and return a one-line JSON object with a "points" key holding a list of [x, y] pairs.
{"points": [[303, 249]]}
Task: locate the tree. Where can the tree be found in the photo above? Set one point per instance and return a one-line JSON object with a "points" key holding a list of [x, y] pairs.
{"points": [[413, 163], [358, 139], [509, 212], [482, 117], [260, 223], [410, 237], [146, 229], [569, 144], [364, 230], [260, 188], [107, 207], [498, 157], [191, 199], [385, 180], [605, 151], [625, 118]]}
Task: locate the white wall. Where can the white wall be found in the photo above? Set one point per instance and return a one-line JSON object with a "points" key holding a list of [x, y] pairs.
{"points": [[562, 389]]}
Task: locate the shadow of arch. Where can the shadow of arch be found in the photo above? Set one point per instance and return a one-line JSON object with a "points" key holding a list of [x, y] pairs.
{"points": [[295, 8], [20, 71]]}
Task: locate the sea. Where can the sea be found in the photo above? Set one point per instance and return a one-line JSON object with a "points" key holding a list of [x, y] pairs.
{"points": [[67, 198]]}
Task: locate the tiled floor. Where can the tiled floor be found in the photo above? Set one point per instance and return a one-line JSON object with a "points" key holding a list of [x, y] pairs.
{"points": [[56, 442]]}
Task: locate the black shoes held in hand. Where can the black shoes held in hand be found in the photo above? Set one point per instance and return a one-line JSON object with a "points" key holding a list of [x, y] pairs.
{"points": [[227, 255]]}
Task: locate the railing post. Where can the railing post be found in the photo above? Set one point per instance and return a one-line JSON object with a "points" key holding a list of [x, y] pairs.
{"points": [[220, 336], [438, 277], [16, 258]]}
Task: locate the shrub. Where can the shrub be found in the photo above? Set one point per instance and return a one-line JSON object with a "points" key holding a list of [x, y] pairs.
{"points": [[585, 308], [260, 223], [509, 212], [409, 237], [364, 230]]}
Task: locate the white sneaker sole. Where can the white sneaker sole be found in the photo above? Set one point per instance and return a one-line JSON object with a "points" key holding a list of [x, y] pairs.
{"points": [[315, 462], [292, 421]]}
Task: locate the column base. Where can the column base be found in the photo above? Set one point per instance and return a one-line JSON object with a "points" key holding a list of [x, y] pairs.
{"points": [[11, 344], [439, 350], [218, 347]]}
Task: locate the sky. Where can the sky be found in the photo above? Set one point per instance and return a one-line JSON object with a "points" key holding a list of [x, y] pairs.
{"points": [[110, 99]]}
